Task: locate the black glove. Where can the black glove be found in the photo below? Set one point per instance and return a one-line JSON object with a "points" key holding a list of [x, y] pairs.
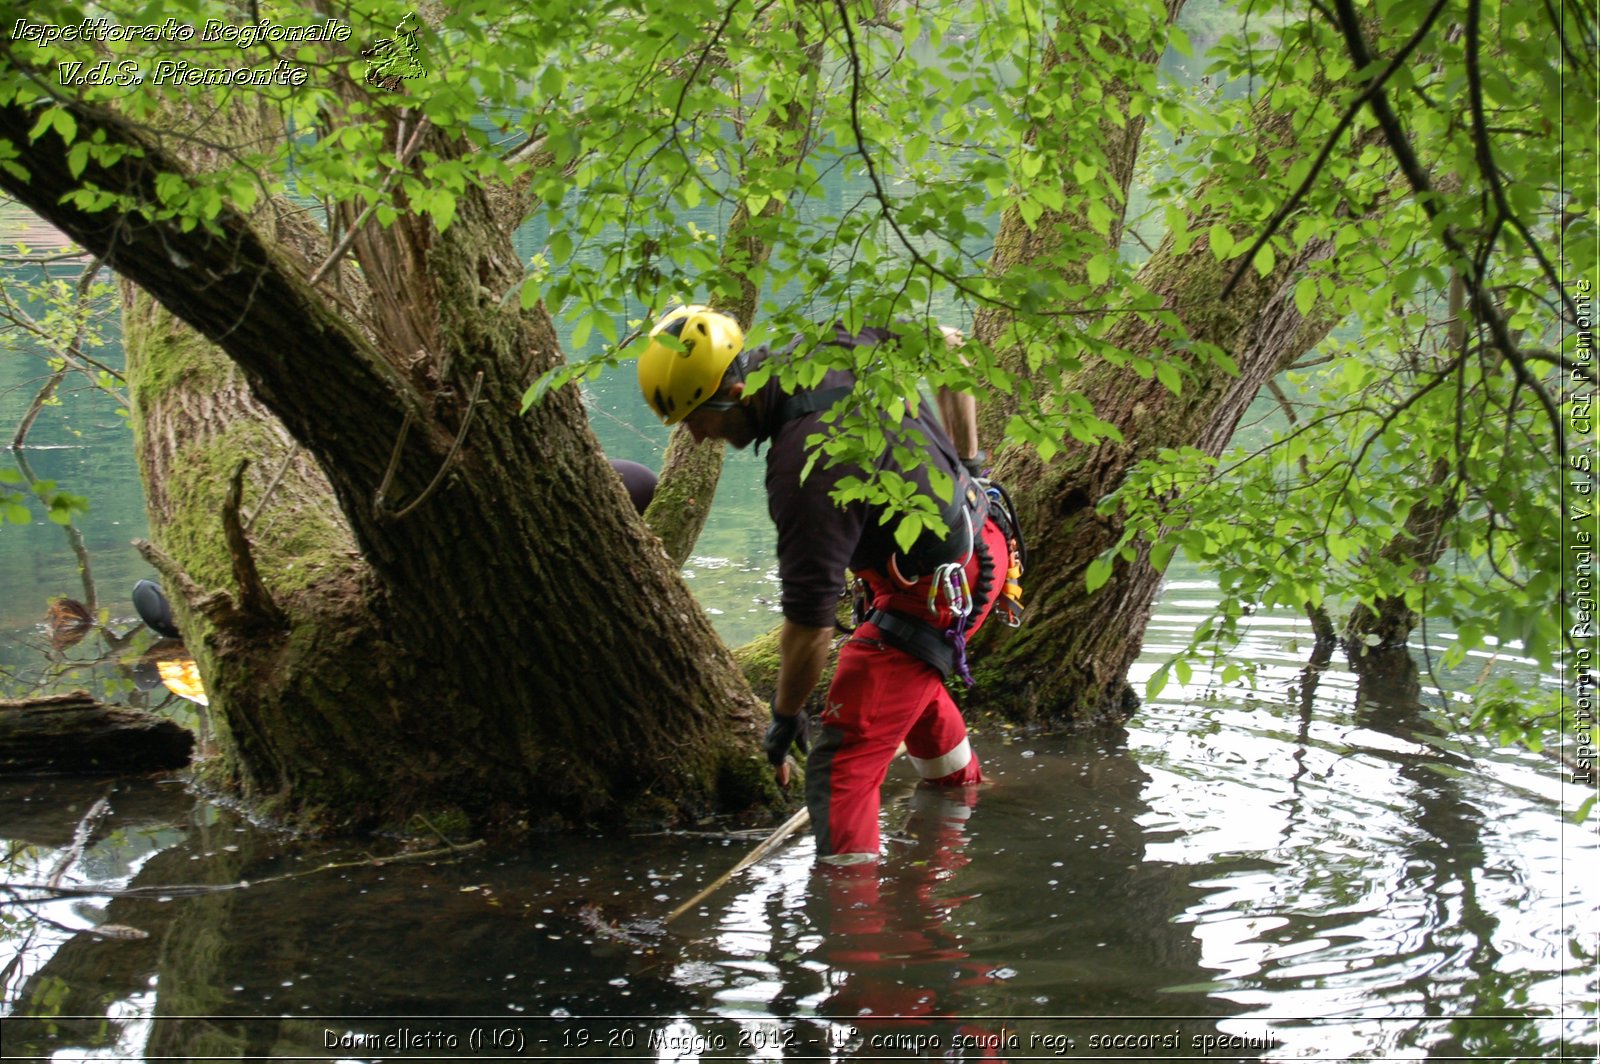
{"points": [[975, 464], [781, 733]]}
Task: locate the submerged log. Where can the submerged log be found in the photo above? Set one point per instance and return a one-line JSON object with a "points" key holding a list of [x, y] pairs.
{"points": [[73, 733]]}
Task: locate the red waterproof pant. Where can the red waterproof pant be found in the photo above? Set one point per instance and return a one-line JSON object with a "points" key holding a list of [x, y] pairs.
{"points": [[880, 697]]}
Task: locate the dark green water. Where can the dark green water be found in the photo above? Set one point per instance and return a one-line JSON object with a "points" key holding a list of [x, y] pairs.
{"points": [[1294, 874], [1334, 884]]}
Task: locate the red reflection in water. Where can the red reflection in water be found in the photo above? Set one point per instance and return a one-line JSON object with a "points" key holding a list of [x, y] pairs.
{"points": [[900, 972]]}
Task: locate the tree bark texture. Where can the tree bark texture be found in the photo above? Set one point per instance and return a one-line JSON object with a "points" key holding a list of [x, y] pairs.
{"points": [[75, 734], [510, 642], [1069, 661], [1388, 624], [686, 487]]}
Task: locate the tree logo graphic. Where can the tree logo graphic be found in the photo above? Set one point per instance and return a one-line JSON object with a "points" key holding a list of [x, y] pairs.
{"points": [[391, 60]]}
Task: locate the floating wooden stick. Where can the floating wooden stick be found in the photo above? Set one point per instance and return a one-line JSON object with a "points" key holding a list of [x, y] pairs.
{"points": [[766, 846]]}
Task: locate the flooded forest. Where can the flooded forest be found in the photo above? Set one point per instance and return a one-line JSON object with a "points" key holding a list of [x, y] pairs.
{"points": [[350, 710]]}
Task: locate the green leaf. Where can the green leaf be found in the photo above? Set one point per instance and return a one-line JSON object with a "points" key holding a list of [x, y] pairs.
{"points": [[1265, 259], [1099, 270], [1305, 295], [1157, 682], [907, 530], [443, 209], [1100, 217], [528, 293], [1099, 571], [552, 80], [78, 158], [1030, 209], [171, 188], [560, 246], [1221, 241], [66, 125], [580, 332]]}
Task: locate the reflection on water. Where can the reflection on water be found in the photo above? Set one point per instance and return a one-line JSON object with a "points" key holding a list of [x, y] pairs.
{"points": [[1320, 868], [1414, 871], [990, 925], [1327, 879]]}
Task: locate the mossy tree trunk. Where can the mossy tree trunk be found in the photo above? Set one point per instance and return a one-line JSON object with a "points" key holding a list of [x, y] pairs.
{"points": [[1113, 155], [1070, 660], [438, 610]]}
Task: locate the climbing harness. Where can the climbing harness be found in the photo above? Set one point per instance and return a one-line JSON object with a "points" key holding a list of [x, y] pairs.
{"points": [[945, 649]]}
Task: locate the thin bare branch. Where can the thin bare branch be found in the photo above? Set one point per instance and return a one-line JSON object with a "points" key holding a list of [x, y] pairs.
{"points": [[349, 238], [1299, 194]]}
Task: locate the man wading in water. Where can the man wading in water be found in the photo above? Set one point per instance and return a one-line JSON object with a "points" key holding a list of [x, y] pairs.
{"points": [[916, 608]]}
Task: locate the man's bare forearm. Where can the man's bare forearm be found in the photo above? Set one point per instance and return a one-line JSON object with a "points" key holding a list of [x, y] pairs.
{"points": [[802, 654]]}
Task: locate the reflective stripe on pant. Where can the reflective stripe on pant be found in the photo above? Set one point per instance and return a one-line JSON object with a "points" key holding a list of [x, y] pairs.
{"points": [[882, 696]]}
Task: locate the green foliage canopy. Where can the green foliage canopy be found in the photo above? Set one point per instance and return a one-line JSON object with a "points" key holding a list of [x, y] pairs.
{"points": [[1439, 144]]}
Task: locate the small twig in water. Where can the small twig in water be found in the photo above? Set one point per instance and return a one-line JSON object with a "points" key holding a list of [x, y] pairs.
{"points": [[198, 890]]}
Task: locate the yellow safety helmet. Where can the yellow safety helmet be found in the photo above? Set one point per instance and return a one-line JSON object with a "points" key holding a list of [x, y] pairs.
{"points": [[675, 381]]}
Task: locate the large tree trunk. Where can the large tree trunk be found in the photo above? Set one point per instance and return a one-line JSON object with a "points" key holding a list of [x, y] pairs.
{"points": [[1043, 243], [1070, 660], [510, 643]]}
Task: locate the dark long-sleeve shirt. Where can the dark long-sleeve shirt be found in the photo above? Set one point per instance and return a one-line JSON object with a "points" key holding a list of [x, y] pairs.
{"points": [[817, 538]]}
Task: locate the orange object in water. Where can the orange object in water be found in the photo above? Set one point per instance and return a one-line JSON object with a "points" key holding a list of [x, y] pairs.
{"points": [[68, 621]]}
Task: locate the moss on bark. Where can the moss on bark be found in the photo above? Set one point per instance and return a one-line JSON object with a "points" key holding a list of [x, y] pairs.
{"points": [[414, 662], [1069, 662]]}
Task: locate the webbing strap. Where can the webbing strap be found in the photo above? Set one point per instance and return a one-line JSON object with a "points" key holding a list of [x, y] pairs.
{"points": [[916, 637], [802, 403]]}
